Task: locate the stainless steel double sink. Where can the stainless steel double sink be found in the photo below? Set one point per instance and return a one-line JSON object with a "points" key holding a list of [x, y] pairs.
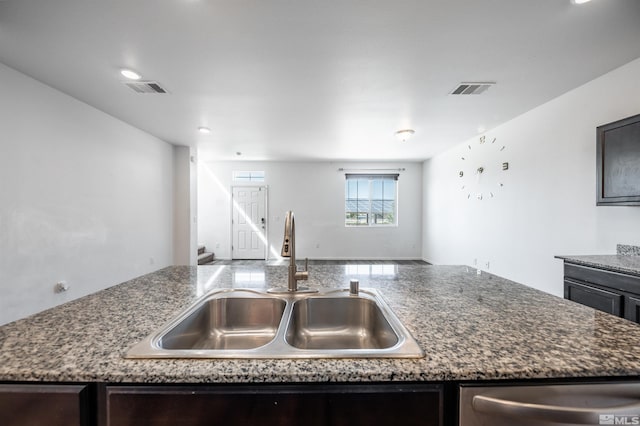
{"points": [[239, 323]]}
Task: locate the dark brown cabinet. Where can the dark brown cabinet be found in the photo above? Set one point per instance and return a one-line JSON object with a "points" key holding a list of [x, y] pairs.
{"points": [[46, 405], [632, 308], [607, 291], [597, 298], [308, 404], [311, 404], [618, 155]]}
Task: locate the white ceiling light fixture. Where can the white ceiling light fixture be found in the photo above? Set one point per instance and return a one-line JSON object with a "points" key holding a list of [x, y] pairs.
{"points": [[130, 74], [204, 130], [580, 1], [404, 135]]}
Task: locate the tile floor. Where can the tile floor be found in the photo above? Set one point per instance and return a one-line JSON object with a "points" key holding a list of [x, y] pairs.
{"points": [[319, 262]]}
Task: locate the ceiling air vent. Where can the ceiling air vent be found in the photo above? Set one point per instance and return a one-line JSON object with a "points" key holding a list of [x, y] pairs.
{"points": [[472, 88], [145, 86]]}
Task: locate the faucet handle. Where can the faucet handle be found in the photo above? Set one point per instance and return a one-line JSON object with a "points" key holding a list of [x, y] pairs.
{"points": [[302, 275]]}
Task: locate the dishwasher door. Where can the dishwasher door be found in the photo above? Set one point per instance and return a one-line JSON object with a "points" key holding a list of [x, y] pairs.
{"points": [[541, 405]]}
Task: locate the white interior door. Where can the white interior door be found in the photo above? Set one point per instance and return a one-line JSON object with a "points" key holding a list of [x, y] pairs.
{"points": [[249, 222]]}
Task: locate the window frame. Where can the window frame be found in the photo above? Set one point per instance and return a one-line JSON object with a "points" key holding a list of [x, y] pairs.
{"points": [[370, 214], [251, 176]]}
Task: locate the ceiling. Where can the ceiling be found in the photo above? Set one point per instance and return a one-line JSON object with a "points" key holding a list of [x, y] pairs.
{"points": [[317, 80]]}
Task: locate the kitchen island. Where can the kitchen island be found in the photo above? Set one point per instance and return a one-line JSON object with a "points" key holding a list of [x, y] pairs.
{"points": [[472, 327]]}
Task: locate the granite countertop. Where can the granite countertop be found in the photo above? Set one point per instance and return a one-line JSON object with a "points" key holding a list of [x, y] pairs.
{"points": [[472, 327], [626, 264]]}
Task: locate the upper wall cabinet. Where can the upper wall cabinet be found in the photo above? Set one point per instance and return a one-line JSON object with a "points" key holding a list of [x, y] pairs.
{"points": [[618, 168]]}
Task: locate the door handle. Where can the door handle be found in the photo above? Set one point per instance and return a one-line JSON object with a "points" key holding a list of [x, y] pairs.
{"points": [[552, 413]]}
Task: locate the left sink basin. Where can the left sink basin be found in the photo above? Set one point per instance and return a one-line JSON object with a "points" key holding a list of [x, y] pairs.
{"points": [[226, 323]]}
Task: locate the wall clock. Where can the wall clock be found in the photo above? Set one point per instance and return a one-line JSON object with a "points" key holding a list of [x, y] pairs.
{"points": [[481, 172]]}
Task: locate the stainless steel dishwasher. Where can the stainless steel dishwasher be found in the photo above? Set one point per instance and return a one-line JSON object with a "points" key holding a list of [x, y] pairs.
{"points": [[604, 403]]}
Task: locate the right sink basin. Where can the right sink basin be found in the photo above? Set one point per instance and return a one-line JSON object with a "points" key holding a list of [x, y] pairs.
{"points": [[323, 323]]}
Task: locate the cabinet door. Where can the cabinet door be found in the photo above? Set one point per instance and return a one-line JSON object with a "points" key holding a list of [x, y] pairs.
{"points": [[46, 405], [309, 405], [594, 297], [632, 308]]}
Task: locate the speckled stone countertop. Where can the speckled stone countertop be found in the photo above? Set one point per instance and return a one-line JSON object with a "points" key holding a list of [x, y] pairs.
{"points": [[624, 263], [471, 327]]}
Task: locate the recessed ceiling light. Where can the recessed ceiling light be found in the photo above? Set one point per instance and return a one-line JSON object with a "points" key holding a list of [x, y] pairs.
{"points": [[405, 134], [130, 74], [580, 1], [204, 130]]}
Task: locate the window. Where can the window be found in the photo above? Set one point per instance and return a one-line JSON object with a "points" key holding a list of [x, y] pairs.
{"points": [[371, 200], [252, 176]]}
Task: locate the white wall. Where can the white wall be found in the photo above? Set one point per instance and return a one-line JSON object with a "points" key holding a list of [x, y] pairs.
{"points": [[314, 191], [547, 205], [185, 234], [84, 198]]}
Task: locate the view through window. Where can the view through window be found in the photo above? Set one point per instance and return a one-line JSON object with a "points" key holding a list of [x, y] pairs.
{"points": [[371, 200]]}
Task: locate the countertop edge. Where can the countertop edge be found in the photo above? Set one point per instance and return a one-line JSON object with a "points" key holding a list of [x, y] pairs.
{"points": [[612, 262]]}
